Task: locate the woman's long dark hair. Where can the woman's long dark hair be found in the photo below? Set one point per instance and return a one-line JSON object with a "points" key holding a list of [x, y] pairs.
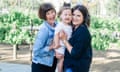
{"points": [[84, 12]]}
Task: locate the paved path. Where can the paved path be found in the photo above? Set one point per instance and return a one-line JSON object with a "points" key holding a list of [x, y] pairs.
{"points": [[9, 67]]}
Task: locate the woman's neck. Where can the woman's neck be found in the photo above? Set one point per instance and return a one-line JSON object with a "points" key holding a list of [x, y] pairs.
{"points": [[76, 26], [51, 24]]}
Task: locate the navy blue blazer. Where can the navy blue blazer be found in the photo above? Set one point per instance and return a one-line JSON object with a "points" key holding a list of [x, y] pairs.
{"points": [[81, 54]]}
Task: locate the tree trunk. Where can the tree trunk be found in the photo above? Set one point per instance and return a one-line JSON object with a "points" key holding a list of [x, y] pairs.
{"points": [[14, 51], [30, 51]]}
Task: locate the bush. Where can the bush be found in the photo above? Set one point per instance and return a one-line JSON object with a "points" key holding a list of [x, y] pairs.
{"points": [[102, 30]]}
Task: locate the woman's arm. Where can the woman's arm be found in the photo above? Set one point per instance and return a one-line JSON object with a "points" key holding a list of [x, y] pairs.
{"points": [[40, 46], [63, 36], [56, 43], [68, 46], [79, 45]]}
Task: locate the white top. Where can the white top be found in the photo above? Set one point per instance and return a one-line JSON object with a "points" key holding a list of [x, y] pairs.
{"points": [[68, 30]]}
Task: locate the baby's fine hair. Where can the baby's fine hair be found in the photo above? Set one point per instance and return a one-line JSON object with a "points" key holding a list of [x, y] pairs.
{"points": [[62, 9]]}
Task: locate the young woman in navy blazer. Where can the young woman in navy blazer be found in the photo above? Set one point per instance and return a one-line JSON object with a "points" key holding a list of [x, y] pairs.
{"points": [[78, 53]]}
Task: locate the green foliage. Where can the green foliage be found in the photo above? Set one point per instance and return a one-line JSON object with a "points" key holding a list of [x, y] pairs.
{"points": [[102, 32], [14, 37], [11, 27], [100, 40], [4, 29]]}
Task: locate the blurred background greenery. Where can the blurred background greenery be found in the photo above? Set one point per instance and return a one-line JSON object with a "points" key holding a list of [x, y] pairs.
{"points": [[19, 20]]}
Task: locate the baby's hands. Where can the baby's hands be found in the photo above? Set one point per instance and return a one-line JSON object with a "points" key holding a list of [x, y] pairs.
{"points": [[51, 46], [63, 35], [56, 46]]}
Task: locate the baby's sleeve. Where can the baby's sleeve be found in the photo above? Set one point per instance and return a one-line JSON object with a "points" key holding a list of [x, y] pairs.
{"points": [[58, 28]]}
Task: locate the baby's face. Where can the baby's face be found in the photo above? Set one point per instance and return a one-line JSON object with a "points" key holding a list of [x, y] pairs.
{"points": [[66, 16]]}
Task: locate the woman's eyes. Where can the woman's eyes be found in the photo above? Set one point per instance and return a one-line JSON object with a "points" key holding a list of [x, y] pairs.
{"points": [[76, 15], [50, 12]]}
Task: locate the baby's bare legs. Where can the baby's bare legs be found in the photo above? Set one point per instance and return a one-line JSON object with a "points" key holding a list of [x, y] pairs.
{"points": [[60, 58]]}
